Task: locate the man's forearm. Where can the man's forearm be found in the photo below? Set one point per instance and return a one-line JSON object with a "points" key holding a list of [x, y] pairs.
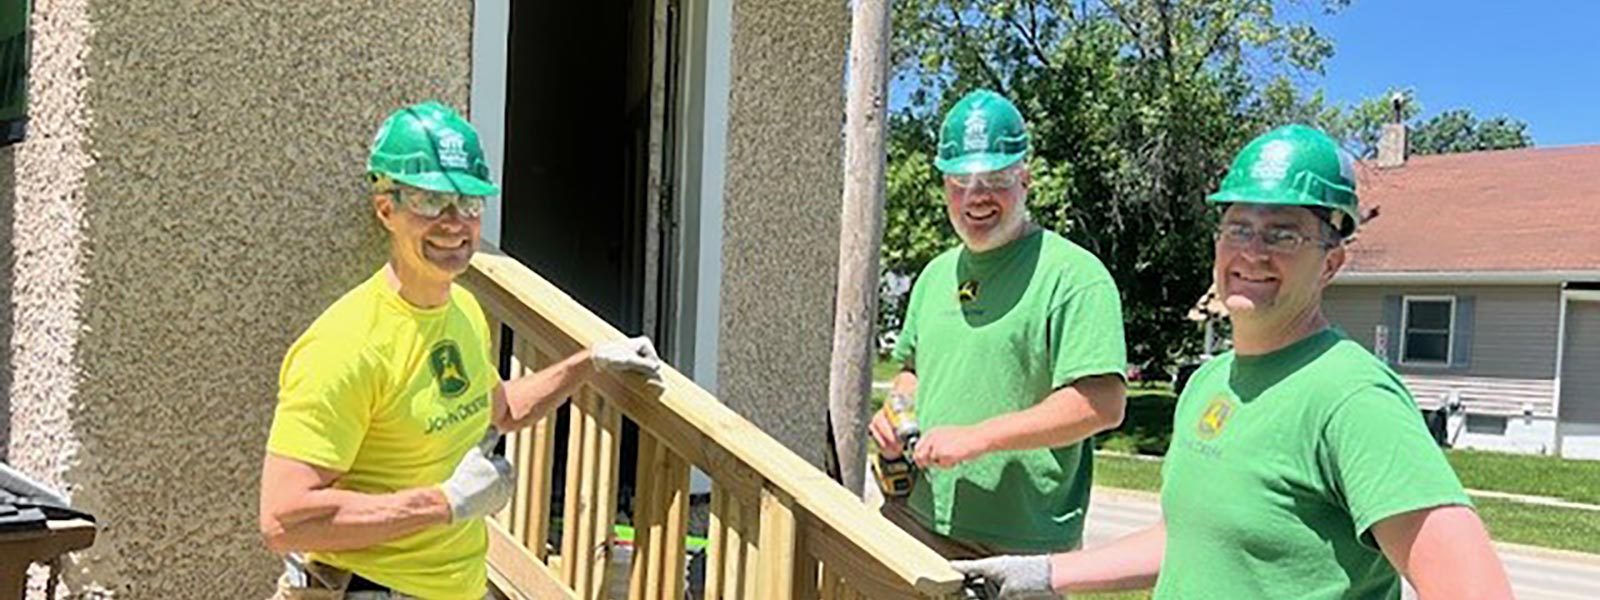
{"points": [[530, 398], [332, 520], [1067, 416], [1129, 563]]}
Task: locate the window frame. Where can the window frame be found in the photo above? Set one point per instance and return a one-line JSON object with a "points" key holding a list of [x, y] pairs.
{"points": [[1405, 331]]}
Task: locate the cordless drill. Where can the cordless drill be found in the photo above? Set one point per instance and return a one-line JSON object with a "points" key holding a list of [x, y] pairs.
{"points": [[895, 476]]}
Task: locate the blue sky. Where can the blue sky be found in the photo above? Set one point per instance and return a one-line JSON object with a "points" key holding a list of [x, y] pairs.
{"points": [[1536, 60]]}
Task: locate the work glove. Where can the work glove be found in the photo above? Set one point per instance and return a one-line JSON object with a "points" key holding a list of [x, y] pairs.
{"points": [[1016, 577], [632, 355], [482, 483]]}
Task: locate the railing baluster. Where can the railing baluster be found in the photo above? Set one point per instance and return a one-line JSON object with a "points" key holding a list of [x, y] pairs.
{"points": [[733, 559], [573, 497], [646, 514], [543, 448], [675, 491], [587, 500], [716, 536], [778, 547], [519, 447], [750, 518], [604, 513]]}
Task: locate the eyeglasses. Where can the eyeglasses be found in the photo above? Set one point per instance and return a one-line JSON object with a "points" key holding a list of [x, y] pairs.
{"points": [[992, 180], [429, 204], [1276, 240]]}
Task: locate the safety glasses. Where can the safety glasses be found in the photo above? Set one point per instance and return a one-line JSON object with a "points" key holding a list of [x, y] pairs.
{"points": [[429, 204], [992, 180]]}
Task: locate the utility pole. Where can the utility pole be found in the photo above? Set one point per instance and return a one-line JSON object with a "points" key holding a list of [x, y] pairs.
{"points": [[860, 236]]}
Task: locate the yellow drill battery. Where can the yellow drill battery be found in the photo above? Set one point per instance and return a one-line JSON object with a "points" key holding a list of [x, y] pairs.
{"points": [[896, 476]]}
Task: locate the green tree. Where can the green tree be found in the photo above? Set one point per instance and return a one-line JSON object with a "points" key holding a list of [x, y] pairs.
{"points": [[1459, 131], [1135, 107]]}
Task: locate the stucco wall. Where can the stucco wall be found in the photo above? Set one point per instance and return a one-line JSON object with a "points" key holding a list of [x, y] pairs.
{"points": [[200, 175], [42, 191], [781, 216]]}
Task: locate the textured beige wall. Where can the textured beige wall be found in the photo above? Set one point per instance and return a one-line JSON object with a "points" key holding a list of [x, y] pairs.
{"points": [[189, 199], [781, 216], [42, 189]]}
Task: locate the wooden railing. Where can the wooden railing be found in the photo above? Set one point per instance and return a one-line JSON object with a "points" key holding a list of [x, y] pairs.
{"points": [[779, 527]]}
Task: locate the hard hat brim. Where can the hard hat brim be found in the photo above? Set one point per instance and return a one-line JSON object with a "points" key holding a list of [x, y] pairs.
{"points": [[977, 163], [449, 182]]}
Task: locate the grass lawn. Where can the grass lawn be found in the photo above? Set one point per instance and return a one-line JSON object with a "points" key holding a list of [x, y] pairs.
{"points": [[884, 370], [1564, 528], [1550, 527], [1127, 473], [1572, 480]]}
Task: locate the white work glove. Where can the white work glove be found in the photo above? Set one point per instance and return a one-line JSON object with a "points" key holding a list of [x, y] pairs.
{"points": [[1017, 577], [634, 354], [482, 482]]}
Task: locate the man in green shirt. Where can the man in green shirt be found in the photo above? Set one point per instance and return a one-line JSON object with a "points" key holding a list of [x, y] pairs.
{"points": [[1013, 353], [1299, 465]]}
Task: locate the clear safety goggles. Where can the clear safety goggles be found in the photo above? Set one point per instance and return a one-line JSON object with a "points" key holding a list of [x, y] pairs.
{"points": [[992, 180], [430, 204]]}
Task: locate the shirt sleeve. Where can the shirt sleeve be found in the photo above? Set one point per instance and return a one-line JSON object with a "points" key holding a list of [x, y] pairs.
{"points": [[905, 345], [1380, 461], [326, 395], [1086, 335]]}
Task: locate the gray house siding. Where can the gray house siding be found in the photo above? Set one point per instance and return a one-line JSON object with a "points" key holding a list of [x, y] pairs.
{"points": [[1503, 344], [1512, 329], [1580, 378]]}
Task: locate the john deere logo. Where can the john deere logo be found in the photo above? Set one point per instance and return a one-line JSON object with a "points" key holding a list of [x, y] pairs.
{"points": [[968, 291], [448, 370], [1214, 418]]}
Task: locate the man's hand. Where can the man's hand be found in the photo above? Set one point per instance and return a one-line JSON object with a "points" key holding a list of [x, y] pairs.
{"points": [[482, 482], [1018, 577], [882, 431], [947, 447], [636, 355]]}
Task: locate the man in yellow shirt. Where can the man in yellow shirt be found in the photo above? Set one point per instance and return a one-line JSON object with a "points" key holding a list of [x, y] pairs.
{"points": [[380, 468]]}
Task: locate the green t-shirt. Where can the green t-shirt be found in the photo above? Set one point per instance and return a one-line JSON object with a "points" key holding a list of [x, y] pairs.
{"points": [[1279, 466], [995, 333]]}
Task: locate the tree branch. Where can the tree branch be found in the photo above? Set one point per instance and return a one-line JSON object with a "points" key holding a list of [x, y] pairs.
{"points": [[961, 32]]}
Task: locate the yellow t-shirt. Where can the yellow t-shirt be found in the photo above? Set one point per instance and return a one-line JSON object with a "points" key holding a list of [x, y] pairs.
{"points": [[393, 396]]}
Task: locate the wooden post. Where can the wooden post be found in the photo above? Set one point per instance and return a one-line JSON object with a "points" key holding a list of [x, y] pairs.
{"points": [[860, 235]]}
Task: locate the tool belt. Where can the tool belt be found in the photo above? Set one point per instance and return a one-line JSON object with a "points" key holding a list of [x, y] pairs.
{"points": [[310, 580]]}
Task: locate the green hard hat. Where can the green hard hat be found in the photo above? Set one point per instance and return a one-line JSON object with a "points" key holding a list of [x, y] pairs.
{"points": [[983, 132], [431, 147], [1295, 165]]}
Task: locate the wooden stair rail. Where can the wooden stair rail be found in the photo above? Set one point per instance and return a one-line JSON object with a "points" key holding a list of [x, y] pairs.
{"points": [[779, 527]]}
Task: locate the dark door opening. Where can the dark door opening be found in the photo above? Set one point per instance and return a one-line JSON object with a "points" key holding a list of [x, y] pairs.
{"points": [[586, 200]]}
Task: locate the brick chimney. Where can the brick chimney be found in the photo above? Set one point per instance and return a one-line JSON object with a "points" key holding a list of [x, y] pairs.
{"points": [[1392, 142]]}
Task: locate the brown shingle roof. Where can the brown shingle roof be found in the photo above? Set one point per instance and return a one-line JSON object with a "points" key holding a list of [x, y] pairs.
{"points": [[1509, 210]]}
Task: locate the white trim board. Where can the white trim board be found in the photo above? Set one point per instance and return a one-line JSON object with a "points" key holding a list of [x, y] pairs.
{"points": [[491, 39]]}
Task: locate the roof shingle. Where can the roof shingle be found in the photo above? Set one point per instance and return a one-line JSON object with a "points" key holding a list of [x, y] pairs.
{"points": [[1508, 210]]}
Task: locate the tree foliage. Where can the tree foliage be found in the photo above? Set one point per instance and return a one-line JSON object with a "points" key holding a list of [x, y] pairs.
{"points": [[1135, 108]]}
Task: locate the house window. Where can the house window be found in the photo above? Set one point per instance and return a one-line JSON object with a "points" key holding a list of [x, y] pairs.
{"points": [[1486, 424], [1428, 323]]}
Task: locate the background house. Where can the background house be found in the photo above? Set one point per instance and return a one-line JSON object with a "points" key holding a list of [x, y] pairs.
{"points": [[1479, 281]]}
